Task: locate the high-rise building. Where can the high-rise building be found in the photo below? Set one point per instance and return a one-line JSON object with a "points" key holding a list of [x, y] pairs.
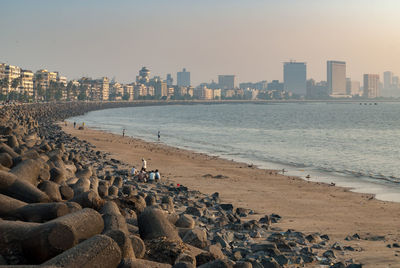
{"points": [[169, 80], [183, 78], [395, 82], [387, 80], [26, 83], [295, 77], [144, 76], [336, 78], [371, 86], [353, 87], [226, 81]]}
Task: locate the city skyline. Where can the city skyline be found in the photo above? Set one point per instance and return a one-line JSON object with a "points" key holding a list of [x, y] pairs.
{"points": [[76, 39]]}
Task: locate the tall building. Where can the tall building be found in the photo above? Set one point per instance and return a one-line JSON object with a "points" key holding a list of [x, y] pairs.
{"points": [[226, 81], [26, 83], [353, 87], [295, 77], [371, 86], [387, 80], [336, 78], [169, 80], [183, 78], [395, 82], [144, 76]]}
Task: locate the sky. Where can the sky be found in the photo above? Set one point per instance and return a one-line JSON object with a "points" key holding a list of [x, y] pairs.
{"points": [[248, 38]]}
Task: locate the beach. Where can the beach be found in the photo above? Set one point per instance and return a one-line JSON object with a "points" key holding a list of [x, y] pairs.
{"points": [[304, 206]]}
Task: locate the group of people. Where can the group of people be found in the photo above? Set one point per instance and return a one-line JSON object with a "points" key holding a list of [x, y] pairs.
{"points": [[145, 176]]}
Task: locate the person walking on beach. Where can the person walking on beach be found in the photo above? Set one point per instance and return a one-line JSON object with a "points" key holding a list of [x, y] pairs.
{"points": [[123, 133], [159, 135], [144, 164], [74, 124]]}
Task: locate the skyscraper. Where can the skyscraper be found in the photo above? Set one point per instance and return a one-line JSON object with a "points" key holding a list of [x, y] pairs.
{"points": [[183, 78], [336, 78], [295, 77], [371, 86], [387, 80], [226, 81]]}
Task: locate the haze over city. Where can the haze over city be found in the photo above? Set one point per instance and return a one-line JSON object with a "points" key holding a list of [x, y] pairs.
{"points": [[250, 39]]}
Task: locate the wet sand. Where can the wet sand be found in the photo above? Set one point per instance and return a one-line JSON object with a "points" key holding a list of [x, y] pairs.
{"points": [[304, 206]]}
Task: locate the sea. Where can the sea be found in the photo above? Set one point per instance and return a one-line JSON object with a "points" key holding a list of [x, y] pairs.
{"points": [[355, 145]]}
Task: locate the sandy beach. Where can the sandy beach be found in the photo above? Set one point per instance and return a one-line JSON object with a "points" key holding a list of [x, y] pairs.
{"points": [[304, 206]]}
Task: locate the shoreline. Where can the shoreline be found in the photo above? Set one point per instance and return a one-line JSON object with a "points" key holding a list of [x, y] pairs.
{"points": [[384, 190], [305, 206]]}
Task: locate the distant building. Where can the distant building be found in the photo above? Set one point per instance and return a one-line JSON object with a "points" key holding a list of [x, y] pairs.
{"points": [[144, 76], [371, 86], [26, 83], [387, 80], [395, 82], [128, 92], [295, 77], [336, 78], [262, 85], [275, 85], [353, 88], [317, 91], [10, 73], [183, 78], [226, 81], [169, 80]]}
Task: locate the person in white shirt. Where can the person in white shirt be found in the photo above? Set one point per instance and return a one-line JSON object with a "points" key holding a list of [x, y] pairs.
{"points": [[133, 172], [144, 164], [152, 176], [157, 175]]}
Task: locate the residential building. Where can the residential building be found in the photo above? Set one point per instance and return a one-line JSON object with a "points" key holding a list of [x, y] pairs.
{"points": [[262, 85], [275, 85], [11, 73], [226, 81], [295, 77], [144, 76], [371, 86], [317, 90], [183, 78], [128, 92], [26, 83], [336, 78]]}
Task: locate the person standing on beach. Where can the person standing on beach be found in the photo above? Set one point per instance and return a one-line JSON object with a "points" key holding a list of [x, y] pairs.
{"points": [[159, 135], [123, 133], [74, 124], [144, 164]]}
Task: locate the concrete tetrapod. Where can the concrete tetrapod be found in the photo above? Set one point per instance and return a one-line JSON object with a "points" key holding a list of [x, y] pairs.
{"points": [[53, 237], [153, 224], [20, 189], [98, 251], [28, 170]]}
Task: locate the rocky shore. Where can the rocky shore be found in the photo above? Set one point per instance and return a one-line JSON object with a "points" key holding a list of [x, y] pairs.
{"points": [[63, 203]]}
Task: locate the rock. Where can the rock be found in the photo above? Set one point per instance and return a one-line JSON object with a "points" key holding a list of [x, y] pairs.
{"points": [[196, 237], [138, 246], [227, 207], [98, 251], [6, 160], [217, 264], [20, 189], [185, 221], [153, 224], [51, 189]]}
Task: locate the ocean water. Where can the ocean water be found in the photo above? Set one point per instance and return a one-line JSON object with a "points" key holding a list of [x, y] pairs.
{"points": [[349, 144]]}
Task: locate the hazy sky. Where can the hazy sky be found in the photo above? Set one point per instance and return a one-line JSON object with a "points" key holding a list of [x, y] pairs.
{"points": [[248, 38]]}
